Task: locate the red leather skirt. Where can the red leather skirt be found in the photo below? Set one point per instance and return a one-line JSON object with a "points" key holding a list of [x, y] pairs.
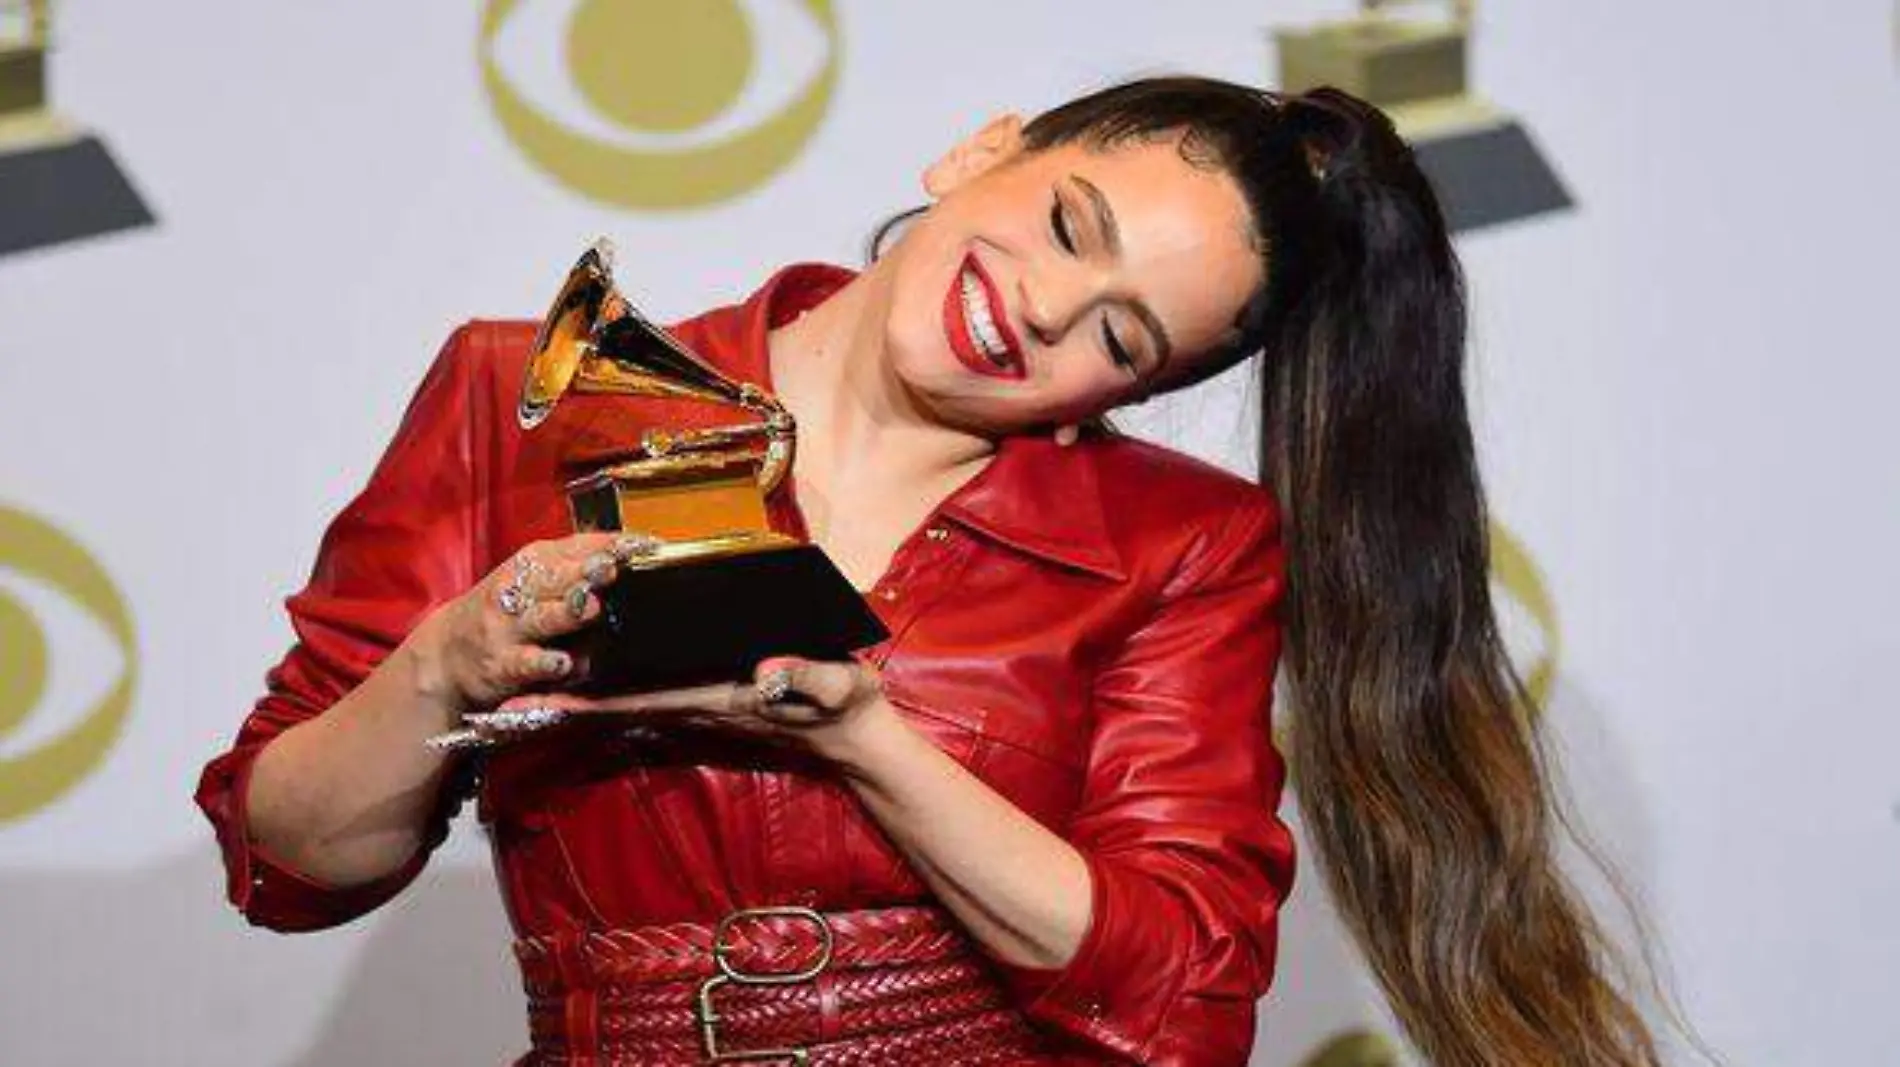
{"points": [[772, 986]]}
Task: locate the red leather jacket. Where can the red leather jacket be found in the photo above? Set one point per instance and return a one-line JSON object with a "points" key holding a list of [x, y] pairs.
{"points": [[1092, 630]]}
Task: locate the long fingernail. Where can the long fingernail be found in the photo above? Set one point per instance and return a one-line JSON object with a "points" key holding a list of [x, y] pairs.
{"points": [[555, 663], [523, 720], [634, 546], [458, 740], [775, 686], [599, 569]]}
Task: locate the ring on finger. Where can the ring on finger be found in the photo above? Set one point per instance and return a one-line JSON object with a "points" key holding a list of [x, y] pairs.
{"points": [[528, 570], [577, 599], [513, 598]]}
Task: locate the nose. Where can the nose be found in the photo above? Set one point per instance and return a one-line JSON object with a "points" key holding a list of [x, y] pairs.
{"points": [[1054, 299]]}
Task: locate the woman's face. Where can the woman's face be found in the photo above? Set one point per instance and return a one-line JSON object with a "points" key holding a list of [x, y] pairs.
{"points": [[1047, 287]]}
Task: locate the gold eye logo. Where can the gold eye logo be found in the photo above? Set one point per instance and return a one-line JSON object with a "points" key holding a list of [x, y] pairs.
{"points": [[659, 104], [1355, 1048], [50, 567], [1527, 614], [1525, 595]]}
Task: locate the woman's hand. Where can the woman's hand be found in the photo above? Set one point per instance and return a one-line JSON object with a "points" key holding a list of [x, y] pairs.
{"points": [[492, 642], [818, 706]]}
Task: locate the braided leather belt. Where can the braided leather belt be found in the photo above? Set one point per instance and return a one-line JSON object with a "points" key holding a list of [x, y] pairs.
{"points": [[778, 984]]}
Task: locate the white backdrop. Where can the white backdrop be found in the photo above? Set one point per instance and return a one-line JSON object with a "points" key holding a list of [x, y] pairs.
{"points": [[1685, 385]]}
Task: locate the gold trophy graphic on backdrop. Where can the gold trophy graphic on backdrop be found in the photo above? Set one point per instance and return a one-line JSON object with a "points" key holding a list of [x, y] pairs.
{"points": [[707, 588], [1481, 159], [24, 29], [1414, 69], [57, 182]]}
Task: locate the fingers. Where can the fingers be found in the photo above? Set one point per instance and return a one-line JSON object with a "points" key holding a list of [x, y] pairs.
{"points": [[599, 569], [550, 588], [802, 693], [828, 685], [549, 619], [710, 706], [484, 729], [787, 697], [528, 666], [566, 572]]}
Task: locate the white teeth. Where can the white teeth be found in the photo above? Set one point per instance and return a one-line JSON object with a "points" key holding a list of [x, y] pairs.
{"points": [[976, 312]]}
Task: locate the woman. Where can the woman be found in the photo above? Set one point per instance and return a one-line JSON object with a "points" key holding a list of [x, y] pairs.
{"points": [[1036, 825]]}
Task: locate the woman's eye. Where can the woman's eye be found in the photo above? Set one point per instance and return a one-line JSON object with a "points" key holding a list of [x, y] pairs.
{"points": [[1116, 350], [1059, 225]]}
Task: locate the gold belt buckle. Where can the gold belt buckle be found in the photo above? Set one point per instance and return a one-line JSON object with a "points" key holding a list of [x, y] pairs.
{"points": [[709, 1019]]}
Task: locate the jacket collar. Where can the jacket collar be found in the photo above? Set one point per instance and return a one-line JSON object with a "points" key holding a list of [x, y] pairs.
{"points": [[1035, 497], [1044, 500]]}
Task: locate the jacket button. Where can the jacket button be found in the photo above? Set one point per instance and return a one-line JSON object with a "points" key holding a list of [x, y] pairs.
{"points": [[937, 533]]}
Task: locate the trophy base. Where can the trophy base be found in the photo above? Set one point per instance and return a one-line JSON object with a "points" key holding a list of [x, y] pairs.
{"points": [[715, 618], [1490, 174], [57, 185]]}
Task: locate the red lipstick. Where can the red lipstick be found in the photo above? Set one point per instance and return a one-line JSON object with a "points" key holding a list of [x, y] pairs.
{"points": [[958, 330]]}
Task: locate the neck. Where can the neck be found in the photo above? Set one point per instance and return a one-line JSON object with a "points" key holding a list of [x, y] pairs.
{"points": [[856, 422]]}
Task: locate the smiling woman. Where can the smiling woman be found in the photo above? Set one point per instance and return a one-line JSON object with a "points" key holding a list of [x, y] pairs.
{"points": [[1078, 278], [1037, 824]]}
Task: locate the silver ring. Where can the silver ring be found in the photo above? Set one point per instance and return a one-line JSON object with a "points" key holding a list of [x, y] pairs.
{"points": [[513, 599], [577, 599]]}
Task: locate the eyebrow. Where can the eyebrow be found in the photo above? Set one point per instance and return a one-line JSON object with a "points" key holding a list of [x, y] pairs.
{"points": [[1112, 236]]}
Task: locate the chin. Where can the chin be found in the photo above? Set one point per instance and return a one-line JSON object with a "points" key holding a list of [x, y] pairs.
{"points": [[917, 357]]}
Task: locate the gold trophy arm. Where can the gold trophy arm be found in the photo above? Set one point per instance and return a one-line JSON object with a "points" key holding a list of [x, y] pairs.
{"points": [[661, 444], [634, 353], [607, 377], [593, 340], [778, 462], [665, 442]]}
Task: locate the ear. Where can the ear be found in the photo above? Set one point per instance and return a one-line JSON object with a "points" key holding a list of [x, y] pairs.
{"points": [[1000, 140], [1067, 435]]}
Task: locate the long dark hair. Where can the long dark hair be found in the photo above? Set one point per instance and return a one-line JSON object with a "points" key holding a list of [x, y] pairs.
{"points": [[1414, 750]]}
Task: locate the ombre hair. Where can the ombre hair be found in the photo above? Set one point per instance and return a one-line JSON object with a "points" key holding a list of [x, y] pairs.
{"points": [[1413, 741]]}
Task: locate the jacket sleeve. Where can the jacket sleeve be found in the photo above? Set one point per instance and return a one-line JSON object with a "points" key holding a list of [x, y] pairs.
{"points": [[1178, 823], [405, 544]]}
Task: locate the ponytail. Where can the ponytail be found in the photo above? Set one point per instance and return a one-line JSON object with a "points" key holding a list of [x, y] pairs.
{"points": [[1416, 762], [1413, 746]]}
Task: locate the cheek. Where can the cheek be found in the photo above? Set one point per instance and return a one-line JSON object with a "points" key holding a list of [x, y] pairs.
{"points": [[1081, 384], [916, 308]]}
